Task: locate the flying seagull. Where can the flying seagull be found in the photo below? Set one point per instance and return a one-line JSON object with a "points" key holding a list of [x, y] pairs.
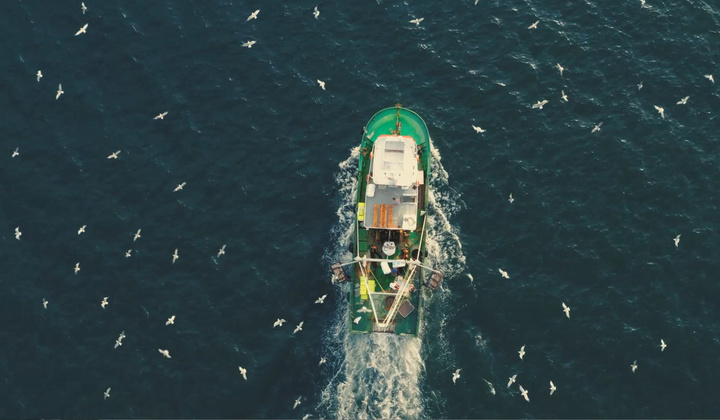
{"points": [[417, 21], [77, 267], [104, 302], [114, 155], [221, 251], [683, 101], [566, 309], [634, 366], [321, 299], [492, 388], [165, 353], [511, 380], [175, 255], [524, 393], [510, 199], [82, 30], [456, 375], [478, 129], [639, 85], [243, 372], [278, 323], [321, 83], [561, 68], [106, 395], [316, 12], [552, 388], [39, 75], [16, 152], [596, 128], [170, 320], [18, 233], [299, 327], [662, 345], [540, 104], [249, 44], [253, 15], [522, 352], [118, 342], [677, 241], [180, 187], [128, 253], [45, 303], [59, 92], [84, 9], [564, 96], [534, 25], [710, 77], [297, 402], [357, 320], [160, 116], [322, 360], [503, 273], [660, 111], [82, 229], [137, 235]]}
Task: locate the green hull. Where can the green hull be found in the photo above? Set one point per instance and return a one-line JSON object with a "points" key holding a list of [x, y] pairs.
{"points": [[409, 243]]}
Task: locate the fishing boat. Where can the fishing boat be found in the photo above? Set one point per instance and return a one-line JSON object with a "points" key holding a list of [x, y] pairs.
{"points": [[387, 276]]}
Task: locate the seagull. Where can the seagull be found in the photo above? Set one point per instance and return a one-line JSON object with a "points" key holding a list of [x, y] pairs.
{"points": [[561, 68], [683, 101], [221, 251], [249, 44], [45, 303], [59, 92], [114, 155], [642, 3], [84, 9], [356, 321], [243, 372], [18, 233], [322, 360], [503, 273], [278, 323], [316, 12], [660, 111], [476, 2], [364, 310], [534, 25], [321, 299], [299, 327], [253, 15], [160, 116], [321, 83], [118, 342], [596, 128], [510, 199], [662, 345], [175, 256], [677, 241], [566, 309], [552, 388], [137, 235], [710, 77], [634, 366], [524, 393], [165, 353], [82, 30], [104, 302], [417, 21], [522, 352], [179, 187], [492, 388], [170, 320], [297, 402], [127, 254], [106, 395], [639, 85], [77, 267], [82, 229], [456, 375], [39, 75], [478, 129], [511, 380], [564, 96], [540, 104], [16, 152]]}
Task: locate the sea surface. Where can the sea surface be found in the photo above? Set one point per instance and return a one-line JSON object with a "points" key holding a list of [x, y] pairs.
{"points": [[269, 161]]}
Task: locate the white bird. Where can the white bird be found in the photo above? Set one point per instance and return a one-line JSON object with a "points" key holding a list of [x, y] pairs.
{"points": [[363, 310], [165, 353], [106, 395], [160, 116], [16, 152], [642, 3], [253, 15], [82, 229], [297, 402], [596, 128], [114, 155], [128, 253], [321, 299], [566, 309], [561, 68], [522, 352], [39, 75], [243, 372], [77, 267], [683, 101], [175, 255], [534, 25], [316, 12], [118, 342], [417, 21], [503, 273], [249, 44], [660, 111], [82, 30], [84, 9], [478, 129], [278, 323], [639, 86], [492, 388], [59, 92], [476, 2], [18, 234], [45, 303], [552, 388], [104, 302], [322, 360], [170, 320], [564, 96], [511, 380], [137, 235], [677, 241], [633, 367], [456, 375], [710, 77], [662, 345], [180, 187], [356, 321], [299, 327], [321, 83], [540, 104], [511, 199], [221, 251], [524, 393]]}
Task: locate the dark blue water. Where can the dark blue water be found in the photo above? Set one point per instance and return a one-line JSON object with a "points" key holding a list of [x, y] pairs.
{"points": [[269, 162]]}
